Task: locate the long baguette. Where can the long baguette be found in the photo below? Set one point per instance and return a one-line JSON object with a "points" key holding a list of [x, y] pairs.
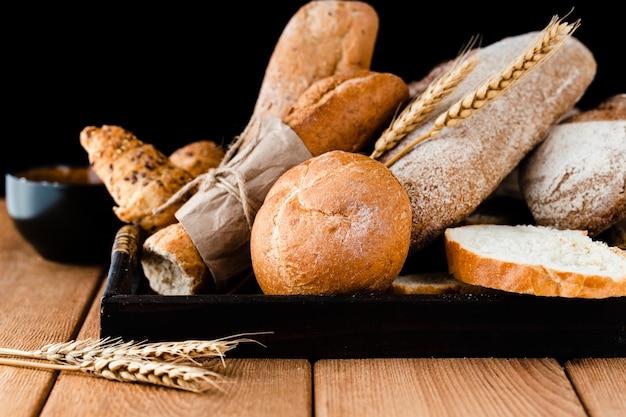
{"points": [[448, 176]]}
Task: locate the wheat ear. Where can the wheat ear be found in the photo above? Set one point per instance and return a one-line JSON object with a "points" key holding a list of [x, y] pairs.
{"points": [[170, 364], [548, 42], [423, 105]]}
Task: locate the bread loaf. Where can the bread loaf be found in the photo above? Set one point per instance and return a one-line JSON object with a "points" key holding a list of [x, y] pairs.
{"points": [[198, 157], [331, 115], [536, 260], [338, 223], [449, 175], [322, 38], [172, 265], [575, 178], [139, 177]]}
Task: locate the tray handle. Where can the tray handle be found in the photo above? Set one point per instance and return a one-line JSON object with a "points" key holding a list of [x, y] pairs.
{"points": [[124, 257]]}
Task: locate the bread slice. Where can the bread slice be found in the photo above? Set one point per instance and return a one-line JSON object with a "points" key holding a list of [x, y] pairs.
{"points": [[537, 260], [433, 283]]}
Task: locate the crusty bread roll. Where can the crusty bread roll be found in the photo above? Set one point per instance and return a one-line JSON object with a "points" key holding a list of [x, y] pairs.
{"points": [[198, 157], [338, 223], [575, 178], [172, 265], [536, 260], [138, 176], [449, 175], [331, 115], [322, 38]]}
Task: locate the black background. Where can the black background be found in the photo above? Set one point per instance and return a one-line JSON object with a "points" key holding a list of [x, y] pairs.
{"points": [[173, 74]]}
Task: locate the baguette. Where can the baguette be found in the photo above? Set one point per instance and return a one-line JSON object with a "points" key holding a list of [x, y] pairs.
{"points": [[172, 265], [537, 260], [324, 37], [448, 176]]}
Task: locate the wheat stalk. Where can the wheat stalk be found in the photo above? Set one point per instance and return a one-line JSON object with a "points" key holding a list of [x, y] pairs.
{"points": [[425, 104], [170, 364], [548, 42]]}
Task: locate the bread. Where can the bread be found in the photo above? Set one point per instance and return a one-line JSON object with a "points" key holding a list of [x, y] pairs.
{"points": [[198, 157], [139, 177], [536, 260], [575, 178], [322, 38], [338, 223], [433, 283], [331, 115], [172, 265], [613, 108], [448, 176]]}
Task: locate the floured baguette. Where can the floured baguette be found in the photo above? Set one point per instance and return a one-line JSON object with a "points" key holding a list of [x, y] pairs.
{"points": [[535, 260], [449, 175]]}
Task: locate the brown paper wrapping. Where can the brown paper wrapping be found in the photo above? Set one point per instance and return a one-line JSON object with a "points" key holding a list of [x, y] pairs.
{"points": [[219, 216]]}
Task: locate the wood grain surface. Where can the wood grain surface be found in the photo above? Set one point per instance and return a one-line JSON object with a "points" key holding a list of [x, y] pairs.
{"points": [[44, 302]]}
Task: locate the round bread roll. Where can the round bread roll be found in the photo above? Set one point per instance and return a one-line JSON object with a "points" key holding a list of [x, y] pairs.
{"points": [[330, 114], [198, 157], [338, 223]]}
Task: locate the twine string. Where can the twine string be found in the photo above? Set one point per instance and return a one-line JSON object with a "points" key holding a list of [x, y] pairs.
{"points": [[225, 176]]}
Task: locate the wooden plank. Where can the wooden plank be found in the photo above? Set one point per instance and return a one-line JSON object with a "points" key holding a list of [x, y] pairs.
{"points": [[40, 302], [442, 387], [601, 384], [259, 387]]}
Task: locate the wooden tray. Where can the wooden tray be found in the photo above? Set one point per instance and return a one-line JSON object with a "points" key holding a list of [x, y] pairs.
{"points": [[496, 324]]}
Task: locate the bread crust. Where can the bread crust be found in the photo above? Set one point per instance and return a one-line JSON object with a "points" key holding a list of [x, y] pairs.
{"points": [[172, 265], [467, 264], [338, 223], [138, 176], [448, 176], [576, 178], [322, 38], [346, 111]]}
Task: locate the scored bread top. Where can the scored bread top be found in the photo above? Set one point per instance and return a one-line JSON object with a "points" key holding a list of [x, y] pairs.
{"points": [[535, 260]]}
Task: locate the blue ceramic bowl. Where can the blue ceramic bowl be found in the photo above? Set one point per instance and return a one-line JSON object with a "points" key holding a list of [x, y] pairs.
{"points": [[65, 213]]}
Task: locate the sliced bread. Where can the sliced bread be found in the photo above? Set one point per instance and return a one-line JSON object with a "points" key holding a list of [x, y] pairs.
{"points": [[536, 260]]}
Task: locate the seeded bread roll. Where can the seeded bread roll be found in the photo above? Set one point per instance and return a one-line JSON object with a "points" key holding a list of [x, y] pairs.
{"points": [[338, 223], [198, 157], [536, 260], [172, 265], [449, 175], [575, 178], [331, 115], [322, 38], [138, 176]]}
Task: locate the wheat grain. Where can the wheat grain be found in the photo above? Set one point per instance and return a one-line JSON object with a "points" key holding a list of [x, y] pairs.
{"points": [[424, 105], [171, 364], [548, 42]]}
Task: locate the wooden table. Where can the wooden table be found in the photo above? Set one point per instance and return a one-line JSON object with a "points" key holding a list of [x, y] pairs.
{"points": [[44, 302]]}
